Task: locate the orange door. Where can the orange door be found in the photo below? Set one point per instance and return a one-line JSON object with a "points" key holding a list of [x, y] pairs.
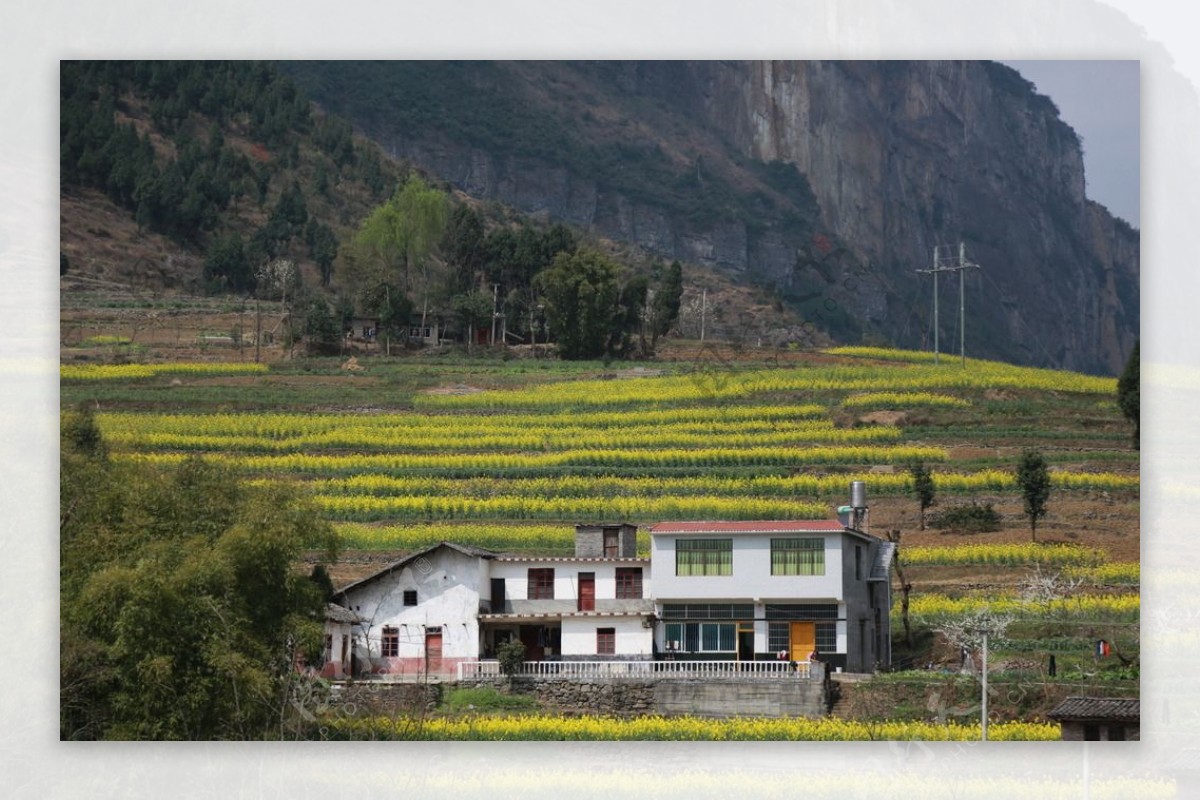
{"points": [[802, 641], [433, 652]]}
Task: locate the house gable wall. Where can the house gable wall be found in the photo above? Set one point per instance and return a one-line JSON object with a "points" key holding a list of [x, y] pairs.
{"points": [[447, 585]]}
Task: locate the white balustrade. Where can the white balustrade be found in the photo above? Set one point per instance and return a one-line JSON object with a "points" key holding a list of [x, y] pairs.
{"points": [[642, 669]]}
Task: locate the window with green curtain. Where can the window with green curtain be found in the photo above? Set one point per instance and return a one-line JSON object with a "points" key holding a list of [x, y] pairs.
{"points": [[798, 556], [704, 557]]}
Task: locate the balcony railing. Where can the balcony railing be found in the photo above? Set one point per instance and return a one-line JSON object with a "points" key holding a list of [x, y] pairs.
{"points": [[642, 669]]}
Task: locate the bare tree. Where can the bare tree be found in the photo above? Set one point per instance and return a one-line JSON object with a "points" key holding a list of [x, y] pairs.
{"points": [[967, 632], [905, 588], [279, 275]]}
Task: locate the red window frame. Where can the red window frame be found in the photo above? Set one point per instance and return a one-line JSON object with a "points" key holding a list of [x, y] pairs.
{"points": [[389, 642], [541, 584], [629, 582], [606, 641]]}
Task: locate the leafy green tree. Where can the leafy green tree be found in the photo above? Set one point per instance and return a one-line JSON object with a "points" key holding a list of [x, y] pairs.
{"points": [[395, 243], [387, 303], [1129, 393], [1033, 478], [667, 299], [463, 247], [583, 294], [323, 245], [226, 265], [472, 309], [321, 328], [923, 487], [181, 612]]}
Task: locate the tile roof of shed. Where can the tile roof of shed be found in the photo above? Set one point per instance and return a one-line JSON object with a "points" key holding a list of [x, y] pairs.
{"points": [[1083, 708]]}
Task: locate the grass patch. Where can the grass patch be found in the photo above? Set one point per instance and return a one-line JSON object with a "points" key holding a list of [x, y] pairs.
{"points": [[486, 699]]}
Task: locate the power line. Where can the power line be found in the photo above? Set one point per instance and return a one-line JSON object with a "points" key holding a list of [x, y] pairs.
{"points": [[943, 263]]}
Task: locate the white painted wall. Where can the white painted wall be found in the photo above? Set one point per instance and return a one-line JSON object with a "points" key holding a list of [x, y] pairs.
{"points": [[751, 571], [579, 636], [447, 585], [566, 578]]}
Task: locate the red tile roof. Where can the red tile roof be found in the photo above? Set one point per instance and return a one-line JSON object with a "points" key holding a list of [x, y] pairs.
{"points": [[746, 527]]}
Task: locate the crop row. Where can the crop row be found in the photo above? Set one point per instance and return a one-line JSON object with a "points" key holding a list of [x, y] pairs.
{"points": [[285, 426], [1102, 607], [125, 372], [454, 507], [1111, 573], [400, 462], [524, 438], [746, 487], [730, 385], [874, 400], [528, 537], [654, 727], [1027, 553]]}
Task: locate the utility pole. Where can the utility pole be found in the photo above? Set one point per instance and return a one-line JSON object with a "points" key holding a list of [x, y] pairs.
{"points": [[984, 715], [951, 266], [962, 306], [703, 311], [495, 290]]}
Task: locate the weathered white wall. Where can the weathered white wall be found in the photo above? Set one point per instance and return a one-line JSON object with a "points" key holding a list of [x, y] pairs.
{"points": [[337, 657], [447, 585], [579, 636]]}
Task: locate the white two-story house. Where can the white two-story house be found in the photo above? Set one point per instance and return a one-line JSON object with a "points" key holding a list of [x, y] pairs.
{"points": [[754, 590]]}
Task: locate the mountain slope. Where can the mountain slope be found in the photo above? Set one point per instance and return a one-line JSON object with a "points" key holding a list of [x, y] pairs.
{"points": [[827, 183]]}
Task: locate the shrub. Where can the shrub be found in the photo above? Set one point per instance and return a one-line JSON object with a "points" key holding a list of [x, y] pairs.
{"points": [[510, 655], [972, 518]]}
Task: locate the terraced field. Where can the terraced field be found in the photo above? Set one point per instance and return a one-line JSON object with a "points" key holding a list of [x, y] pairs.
{"points": [[403, 453]]}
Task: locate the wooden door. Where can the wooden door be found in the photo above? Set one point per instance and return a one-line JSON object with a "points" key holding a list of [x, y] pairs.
{"points": [[587, 592], [433, 652], [534, 651], [497, 603], [803, 641]]}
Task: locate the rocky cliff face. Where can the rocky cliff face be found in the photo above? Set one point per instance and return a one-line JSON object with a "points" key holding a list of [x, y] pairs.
{"points": [[690, 160]]}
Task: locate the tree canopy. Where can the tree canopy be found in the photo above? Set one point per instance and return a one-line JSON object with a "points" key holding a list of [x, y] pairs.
{"points": [[583, 303], [923, 488], [181, 612], [1033, 478], [394, 245], [1129, 395]]}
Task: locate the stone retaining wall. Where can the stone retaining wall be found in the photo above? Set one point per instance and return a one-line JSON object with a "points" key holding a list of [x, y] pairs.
{"points": [[717, 699]]}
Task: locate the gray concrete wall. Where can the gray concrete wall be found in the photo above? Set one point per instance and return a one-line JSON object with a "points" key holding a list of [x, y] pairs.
{"points": [[726, 699]]}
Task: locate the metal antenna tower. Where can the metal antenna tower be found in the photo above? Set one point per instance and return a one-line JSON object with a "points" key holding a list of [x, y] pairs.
{"points": [[951, 264]]}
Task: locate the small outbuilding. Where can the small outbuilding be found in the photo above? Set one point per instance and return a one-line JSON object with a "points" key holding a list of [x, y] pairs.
{"points": [[339, 637], [1113, 719]]}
